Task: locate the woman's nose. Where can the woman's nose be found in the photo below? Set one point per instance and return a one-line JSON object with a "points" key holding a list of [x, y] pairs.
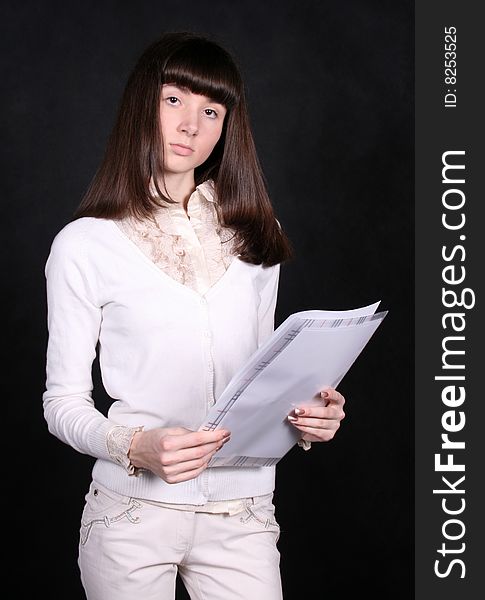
{"points": [[189, 125]]}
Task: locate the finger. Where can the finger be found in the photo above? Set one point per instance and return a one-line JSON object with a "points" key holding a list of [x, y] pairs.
{"points": [[173, 442], [196, 453], [332, 396], [178, 469], [319, 412], [331, 424], [185, 475]]}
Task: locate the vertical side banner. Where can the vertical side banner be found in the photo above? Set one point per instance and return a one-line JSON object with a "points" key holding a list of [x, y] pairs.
{"points": [[450, 345]]}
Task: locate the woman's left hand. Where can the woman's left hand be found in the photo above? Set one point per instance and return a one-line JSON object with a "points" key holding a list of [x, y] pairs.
{"points": [[320, 423]]}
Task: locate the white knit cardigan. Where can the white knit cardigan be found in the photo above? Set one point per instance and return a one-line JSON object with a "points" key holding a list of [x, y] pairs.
{"points": [[166, 352]]}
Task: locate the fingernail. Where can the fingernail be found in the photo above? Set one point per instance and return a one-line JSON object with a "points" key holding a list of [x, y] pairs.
{"points": [[291, 418], [299, 411], [226, 439]]}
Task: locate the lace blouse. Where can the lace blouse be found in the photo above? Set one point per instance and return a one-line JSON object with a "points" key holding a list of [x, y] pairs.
{"points": [[189, 245]]}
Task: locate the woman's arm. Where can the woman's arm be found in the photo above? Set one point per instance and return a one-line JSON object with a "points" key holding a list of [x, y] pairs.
{"points": [[73, 321]]}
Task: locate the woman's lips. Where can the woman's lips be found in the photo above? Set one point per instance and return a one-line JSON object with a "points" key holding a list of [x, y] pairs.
{"points": [[181, 150]]}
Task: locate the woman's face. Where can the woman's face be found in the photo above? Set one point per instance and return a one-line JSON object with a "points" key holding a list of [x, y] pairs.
{"points": [[191, 127]]}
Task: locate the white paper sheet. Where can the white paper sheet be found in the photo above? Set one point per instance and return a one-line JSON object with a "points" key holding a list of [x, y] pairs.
{"points": [[308, 351]]}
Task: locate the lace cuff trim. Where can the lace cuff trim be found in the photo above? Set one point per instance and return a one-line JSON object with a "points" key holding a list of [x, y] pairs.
{"points": [[118, 441], [305, 444]]}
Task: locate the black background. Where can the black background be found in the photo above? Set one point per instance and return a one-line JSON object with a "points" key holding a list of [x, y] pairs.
{"points": [[330, 92]]}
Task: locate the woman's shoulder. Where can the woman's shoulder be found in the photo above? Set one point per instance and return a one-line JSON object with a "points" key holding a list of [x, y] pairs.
{"points": [[79, 233], [81, 227]]}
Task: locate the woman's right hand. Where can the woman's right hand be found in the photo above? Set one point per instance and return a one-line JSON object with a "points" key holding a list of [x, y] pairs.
{"points": [[175, 454]]}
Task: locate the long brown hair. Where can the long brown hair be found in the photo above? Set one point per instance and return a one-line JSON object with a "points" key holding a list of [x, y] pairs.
{"points": [[134, 152]]}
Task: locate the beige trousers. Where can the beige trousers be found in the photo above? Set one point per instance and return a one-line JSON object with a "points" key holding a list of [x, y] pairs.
{"points": [[130, 550]]}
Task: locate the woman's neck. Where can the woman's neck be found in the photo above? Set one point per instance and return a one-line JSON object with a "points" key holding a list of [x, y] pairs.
{"points": [[180, 186]]}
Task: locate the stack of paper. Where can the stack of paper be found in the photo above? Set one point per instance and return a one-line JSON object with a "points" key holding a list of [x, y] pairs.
{"points": [[308, 351]]}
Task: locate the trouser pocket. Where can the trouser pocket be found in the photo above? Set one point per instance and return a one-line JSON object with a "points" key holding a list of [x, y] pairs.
{"points": [[105, 508]]}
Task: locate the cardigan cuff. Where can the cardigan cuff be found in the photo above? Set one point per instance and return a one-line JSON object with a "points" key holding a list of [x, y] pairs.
{"points": [[118, 441]]}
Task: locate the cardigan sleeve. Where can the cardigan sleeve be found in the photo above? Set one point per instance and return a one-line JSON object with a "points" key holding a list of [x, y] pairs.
{"points": [[73, 322]]}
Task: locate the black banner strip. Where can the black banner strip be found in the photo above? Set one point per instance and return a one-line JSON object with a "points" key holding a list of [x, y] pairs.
{"points": [[450, 353]]}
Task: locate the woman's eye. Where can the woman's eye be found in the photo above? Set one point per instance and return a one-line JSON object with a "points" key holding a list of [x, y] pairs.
{"points": [[212, 112], [170, 98]]}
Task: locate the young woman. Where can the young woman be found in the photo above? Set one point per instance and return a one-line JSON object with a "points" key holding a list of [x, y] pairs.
{"points": [[170, 268]]}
